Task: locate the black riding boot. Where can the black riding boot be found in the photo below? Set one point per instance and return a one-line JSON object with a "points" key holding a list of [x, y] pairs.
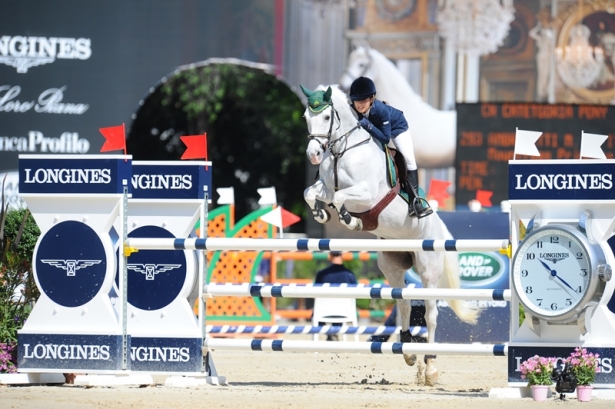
{"points": [[418, 206]]}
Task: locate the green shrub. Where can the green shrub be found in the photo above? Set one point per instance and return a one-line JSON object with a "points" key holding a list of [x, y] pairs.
{"points": [[18, 291]]}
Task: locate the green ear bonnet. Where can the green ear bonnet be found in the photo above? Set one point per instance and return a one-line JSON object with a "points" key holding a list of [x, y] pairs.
{"points": [[317, 100]]}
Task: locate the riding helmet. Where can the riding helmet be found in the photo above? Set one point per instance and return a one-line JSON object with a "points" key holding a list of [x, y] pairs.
{"points": [[362, 88]]}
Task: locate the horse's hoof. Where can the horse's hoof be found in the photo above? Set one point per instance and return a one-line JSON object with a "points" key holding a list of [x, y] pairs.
{"points": [[358, 226], [431, 372], [323, 216], [410, 359]]}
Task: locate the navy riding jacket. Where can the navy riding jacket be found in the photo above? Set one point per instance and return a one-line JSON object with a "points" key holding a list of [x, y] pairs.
{"points": [[386, 122], [337, 274]]}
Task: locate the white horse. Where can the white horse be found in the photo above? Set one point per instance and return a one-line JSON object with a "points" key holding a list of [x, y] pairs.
{"points": [[434, 132], [353, 179]]}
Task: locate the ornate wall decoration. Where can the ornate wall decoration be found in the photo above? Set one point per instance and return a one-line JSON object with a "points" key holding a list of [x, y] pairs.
{"points": [[598, 17], [394, 10]]}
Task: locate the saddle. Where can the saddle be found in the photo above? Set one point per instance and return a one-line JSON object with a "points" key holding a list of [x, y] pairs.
{"points": [[394, 162]]}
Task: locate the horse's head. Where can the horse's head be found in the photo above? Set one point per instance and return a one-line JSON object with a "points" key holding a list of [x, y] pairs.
{"points": [[360, 64], [319, 117], [330, 121]]}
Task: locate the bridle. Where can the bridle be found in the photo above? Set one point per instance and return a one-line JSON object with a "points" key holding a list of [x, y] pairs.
{"points": [[337, 153], [328, 144]]}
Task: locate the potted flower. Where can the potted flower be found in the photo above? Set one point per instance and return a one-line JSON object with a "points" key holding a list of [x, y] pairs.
{"points": [[537, 370], [584, 367]]}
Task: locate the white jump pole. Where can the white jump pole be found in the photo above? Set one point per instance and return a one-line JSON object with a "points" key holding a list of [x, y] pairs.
{"points": [[389, 348], [291, 291], [233, 244]]}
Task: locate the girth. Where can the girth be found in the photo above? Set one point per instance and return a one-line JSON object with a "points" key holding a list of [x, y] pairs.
{"points": [[370, 217]]}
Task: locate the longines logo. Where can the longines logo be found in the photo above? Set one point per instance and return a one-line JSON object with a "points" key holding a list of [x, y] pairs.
{"points": [[67, 176], [71, 266], [156, 354], [162, 182], [25, 52], [564, 182], [554, 257], [150, 270], [64, 351]]}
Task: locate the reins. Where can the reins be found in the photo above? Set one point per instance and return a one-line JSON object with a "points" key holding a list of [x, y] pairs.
{"points": [[330, 145]]}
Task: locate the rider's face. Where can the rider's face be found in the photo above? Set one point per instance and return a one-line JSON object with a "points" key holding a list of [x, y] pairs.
{"points": [[363, 106]]}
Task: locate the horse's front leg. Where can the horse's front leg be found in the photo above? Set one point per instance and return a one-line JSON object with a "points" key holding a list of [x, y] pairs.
{"points": [[404, 309], [314, 196], [358, 195]]}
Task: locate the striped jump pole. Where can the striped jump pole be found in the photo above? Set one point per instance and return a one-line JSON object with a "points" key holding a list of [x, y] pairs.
{"points": [[308, 329], [133, 244], [389, 348], [350, 291]]}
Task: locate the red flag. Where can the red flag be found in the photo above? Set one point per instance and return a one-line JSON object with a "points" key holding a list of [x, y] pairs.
{"points": [[280, 217], [288, 218], [115, 138], [437, 190], [196, 146], [484, 197]]}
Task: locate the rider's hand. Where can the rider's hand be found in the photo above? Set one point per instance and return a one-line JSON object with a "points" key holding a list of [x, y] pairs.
{"points": [[365, 124]]}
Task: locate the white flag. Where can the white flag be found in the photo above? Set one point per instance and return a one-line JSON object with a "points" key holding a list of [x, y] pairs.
{"points": [[273, 217], [590, 145], [525, 143], [268, 196], [227, 195]]}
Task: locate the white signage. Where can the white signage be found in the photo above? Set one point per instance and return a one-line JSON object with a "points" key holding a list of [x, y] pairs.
{"points": [[24, 52], [49, 102]]}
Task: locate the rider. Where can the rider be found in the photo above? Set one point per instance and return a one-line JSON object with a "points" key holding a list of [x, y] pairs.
{"points": [[384, 122]]}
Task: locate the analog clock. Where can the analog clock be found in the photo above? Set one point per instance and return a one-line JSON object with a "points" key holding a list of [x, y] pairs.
{"points": [[557, 273]]}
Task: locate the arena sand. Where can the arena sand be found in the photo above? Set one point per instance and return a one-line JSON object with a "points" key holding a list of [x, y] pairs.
{"points": [[303, 380]]}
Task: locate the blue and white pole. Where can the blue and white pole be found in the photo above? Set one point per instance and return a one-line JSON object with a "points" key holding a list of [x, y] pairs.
{"points": [[389, 348], [234, 244], [308, 329], [350, 291]]}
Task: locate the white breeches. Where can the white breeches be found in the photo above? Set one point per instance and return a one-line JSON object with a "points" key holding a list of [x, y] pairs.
{"points": [[403, 143]]}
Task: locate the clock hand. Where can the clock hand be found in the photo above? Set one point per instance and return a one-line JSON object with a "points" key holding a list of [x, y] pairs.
{"points": [[548, 268], [562, 280], [554, 274]]}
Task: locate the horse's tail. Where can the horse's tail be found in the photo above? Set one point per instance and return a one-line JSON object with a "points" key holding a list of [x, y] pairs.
{"points": [[450, 279]]}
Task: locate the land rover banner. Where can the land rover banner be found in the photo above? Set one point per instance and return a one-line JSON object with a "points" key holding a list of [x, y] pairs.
{"points": [[68, 68]]}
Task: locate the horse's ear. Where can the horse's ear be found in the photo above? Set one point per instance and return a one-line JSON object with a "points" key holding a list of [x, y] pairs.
{"points": [[327, 96], [306, 91]]}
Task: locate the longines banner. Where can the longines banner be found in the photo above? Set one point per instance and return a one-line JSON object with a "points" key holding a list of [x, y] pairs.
{"points": [[486, 140], [69, 68]]}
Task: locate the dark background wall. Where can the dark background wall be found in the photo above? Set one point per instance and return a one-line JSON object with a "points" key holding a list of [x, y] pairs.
{"points": [[133, 45]]}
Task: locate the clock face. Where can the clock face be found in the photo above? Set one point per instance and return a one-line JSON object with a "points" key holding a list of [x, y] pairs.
{"points": [[551, 272]]}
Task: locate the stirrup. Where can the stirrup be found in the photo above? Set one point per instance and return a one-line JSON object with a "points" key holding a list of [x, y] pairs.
{"points": [[417, 210]]}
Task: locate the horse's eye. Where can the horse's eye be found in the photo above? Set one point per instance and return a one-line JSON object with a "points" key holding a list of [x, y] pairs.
{"points": [[327, 117]]}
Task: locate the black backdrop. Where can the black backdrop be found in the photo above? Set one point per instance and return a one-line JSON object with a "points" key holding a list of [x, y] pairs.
{"points": [[486, 137], [133, 45]]}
